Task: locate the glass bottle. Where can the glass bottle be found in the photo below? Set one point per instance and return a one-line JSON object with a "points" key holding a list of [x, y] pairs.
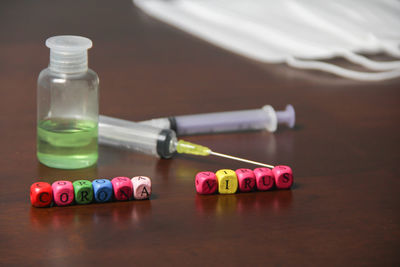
{"points": [[67, 106]]}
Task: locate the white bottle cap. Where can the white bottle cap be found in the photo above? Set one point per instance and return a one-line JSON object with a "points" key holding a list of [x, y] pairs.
{"points": [[68, 53]]}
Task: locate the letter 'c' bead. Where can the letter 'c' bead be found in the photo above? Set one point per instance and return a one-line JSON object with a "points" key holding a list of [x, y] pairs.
{"points": [[41, 194], [283, 176]]}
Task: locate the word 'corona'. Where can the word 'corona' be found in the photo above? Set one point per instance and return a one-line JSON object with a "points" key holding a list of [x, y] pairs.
{"points": [[64, 193]]}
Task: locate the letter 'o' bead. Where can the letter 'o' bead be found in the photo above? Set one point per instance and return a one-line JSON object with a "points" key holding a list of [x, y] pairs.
{"points": [[102, 190], [141, 187], [246, 179], [206, 183], [283, 176], [63, 193], [264, 178], [227, 181], [122, 187], [41, 194]]}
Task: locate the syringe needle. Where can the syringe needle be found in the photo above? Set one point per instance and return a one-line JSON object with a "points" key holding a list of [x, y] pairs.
{"points": [[240, 159]]}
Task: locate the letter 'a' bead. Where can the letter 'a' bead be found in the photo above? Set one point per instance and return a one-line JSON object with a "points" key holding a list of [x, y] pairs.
{"points": [[122, 187], [227, 181], [206, 183], [63, 192], [264, 179], [83, 191], [246, 179], [41, 194], [141, 187], [283, 176], [102, 190]]}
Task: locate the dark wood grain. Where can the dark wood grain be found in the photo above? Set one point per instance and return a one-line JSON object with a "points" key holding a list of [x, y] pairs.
{"points": [[342, 210]]}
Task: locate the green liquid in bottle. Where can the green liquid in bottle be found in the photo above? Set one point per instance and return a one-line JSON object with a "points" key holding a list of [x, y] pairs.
{"points": [[67, 143]]}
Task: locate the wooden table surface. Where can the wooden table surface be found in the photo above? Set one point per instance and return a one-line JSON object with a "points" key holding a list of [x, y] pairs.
{"points": [[342, 210]]}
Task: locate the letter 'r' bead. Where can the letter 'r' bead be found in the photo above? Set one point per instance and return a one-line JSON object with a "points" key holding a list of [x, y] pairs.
{"points": [[141, 187], [122, 187], [63, 192], [206, 183], [246, 179], [283, 176], [41, 194], [83, 191], [264, 179], [227, 181]]}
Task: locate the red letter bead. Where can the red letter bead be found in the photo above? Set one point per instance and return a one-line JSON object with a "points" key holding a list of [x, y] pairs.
{"points": [[63, 192], [264, 178], [283, 176], [122, 187], [246, 179], [141, 187], [206, 183], [41, 194]]}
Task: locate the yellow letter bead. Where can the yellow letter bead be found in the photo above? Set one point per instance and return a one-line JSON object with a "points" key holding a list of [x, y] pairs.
{"points": [[227, 181]]}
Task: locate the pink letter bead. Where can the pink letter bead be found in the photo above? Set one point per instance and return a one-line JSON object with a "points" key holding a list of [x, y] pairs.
{"points": [[122, 187], [63, 192], [246, 179], [264, 178], [206, 183], [141, 187], [283, 176]]}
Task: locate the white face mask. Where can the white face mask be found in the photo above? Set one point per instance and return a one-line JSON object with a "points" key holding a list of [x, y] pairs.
{"points": [[300, 33]]}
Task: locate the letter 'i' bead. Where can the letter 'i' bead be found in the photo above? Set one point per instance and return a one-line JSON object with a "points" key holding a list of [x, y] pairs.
{"points": [[141, 187], [264, 179], [122, 187], [102, 190], [246, 179], [41, 194], [63, 192], [206, 183], [227, 181], [283, 176], [83, 191]]}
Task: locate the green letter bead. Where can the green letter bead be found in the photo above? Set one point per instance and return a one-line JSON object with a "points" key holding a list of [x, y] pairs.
{"points": [[83, 191]]}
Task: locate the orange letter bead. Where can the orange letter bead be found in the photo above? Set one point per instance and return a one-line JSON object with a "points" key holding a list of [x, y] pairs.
{"points": [[246, 179], [141, 187], [264, 179], [63, 192], [41, 194], [122, 187], [283, 176], [206, 183], [227, 181]]}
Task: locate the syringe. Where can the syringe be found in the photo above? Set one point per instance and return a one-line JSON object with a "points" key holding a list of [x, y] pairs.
{"points": [[265, 118], [151, 140]]}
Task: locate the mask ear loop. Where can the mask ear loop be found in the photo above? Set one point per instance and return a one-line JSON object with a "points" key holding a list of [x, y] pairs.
{"points": [[369, 63], [351, 74]]}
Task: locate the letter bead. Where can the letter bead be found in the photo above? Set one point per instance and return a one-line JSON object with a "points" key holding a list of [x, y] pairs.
{"points": [[141, 187], [41, 194], [227, 181], [206, 183], [102, 190], [264, 179], [122, 187], [283, 176], [83, 191], [246, 179], [63, 193]]}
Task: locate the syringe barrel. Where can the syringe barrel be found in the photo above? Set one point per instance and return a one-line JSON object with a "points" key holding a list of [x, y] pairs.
{"points": [[135, 136], [230, 121]]}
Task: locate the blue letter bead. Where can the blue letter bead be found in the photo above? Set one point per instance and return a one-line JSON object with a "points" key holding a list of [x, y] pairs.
{"points": [[102, 189]]}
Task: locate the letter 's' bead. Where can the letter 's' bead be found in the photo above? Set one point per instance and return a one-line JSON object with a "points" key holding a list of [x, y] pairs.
{"points": [[283, 176]]}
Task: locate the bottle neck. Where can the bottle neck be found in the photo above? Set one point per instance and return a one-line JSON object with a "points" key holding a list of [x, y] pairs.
{"points": [[68, 63]]}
